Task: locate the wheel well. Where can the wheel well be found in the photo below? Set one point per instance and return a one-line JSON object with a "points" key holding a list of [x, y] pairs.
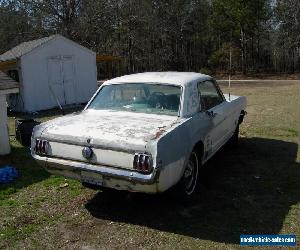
{"points": [[242, 115], [199, 148]]}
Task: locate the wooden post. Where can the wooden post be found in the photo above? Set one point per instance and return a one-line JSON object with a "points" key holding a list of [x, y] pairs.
{"points": [[7, 86], [4, 135]]}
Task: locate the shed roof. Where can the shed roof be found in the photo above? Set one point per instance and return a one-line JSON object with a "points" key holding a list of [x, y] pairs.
{"points": [[6, 83], [24, 48]]}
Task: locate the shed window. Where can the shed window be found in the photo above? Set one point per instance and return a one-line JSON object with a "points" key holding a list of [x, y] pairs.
{"points": [[14, 74]]}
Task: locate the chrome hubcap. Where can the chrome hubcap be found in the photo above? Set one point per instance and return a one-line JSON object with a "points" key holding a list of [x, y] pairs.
{"points": [[190, 174]]}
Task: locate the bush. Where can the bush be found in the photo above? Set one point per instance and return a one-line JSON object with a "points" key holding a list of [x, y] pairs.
{"points": [[206, 71]]}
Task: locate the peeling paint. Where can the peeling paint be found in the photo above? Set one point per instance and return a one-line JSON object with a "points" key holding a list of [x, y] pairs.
{"points": [[158, 134], [107, 128], [115, 137]]}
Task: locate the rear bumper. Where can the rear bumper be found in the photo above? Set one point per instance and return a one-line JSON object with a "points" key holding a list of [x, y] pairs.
{"points": [[62, 166]]}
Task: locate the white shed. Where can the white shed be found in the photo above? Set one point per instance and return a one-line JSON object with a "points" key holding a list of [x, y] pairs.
{"points": [[7, 86], [52, 71]]}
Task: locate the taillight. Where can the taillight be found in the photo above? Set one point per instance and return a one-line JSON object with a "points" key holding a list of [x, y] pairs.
{"points": [[42, 147], [143, 163]]}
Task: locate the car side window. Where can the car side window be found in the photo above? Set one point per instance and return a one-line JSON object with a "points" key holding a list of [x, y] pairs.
{"points": [[210, 96]]}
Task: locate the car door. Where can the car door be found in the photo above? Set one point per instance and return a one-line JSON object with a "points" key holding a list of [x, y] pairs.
{"points": [[214, 105]]}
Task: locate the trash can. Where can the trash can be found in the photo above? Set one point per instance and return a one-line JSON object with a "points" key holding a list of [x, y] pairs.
{"points": [[24, 129]]}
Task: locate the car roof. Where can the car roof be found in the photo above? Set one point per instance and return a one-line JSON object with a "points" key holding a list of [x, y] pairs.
{"points": [[173, 78]]}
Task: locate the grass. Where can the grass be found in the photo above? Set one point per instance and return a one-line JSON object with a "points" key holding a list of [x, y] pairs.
{"points": [[254, 189]]}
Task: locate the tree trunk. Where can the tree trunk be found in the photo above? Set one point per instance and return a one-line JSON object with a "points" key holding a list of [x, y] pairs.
{"points": [[243, 50]]}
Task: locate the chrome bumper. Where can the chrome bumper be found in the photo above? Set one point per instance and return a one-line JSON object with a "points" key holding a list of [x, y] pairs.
{"points": [[132, 176]]}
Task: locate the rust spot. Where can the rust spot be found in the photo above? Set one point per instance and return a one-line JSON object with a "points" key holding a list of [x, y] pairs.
{"points": [[161, 128], [158, 134]]}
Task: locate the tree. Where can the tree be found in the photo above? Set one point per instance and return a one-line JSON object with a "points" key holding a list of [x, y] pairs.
{"points": [[239, 21], [153, 35], [15, 26], [287, 51]]}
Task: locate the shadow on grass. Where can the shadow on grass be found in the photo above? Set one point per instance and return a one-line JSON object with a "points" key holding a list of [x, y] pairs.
{"points": [[248, 190], [29, 171]]}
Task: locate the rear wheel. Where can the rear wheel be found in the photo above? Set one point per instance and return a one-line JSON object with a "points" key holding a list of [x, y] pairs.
{"points": [[189, 183]]}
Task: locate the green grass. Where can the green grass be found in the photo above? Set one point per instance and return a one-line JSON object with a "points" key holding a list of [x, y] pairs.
{"points": [[252, 189]]}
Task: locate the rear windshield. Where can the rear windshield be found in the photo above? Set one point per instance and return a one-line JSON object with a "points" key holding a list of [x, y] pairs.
{"points": [[139, 97]]}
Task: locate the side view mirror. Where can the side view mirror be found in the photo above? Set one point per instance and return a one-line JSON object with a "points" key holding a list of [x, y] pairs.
{"points": [[211, 114]]}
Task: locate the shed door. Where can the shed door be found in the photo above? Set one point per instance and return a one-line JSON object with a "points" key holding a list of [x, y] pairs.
{"points": [[68, 79], [55, 80], [61, 79]]}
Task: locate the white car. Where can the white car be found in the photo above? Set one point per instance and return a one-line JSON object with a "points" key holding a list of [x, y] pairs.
{"points": [[143, 132]]}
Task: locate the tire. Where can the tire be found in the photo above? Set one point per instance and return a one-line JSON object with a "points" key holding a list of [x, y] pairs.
{"points": [[91, 186], [188, 185], [234, 140]]}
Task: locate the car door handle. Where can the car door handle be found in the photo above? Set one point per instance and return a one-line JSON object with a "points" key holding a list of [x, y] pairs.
{"points": [[211, 114]]}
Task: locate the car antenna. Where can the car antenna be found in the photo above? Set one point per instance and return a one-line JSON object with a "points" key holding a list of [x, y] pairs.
{"points": [[229, 81]]}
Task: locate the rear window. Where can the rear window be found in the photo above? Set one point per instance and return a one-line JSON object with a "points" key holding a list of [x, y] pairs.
{"points": [[139, 97]]}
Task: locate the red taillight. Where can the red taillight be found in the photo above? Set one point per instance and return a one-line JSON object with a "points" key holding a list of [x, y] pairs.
{"points": [[142, 163], [41, 146]]}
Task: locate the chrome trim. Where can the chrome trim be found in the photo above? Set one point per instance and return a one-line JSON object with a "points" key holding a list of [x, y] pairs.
{"points": [[73, 143], [128, 175], [143, 159]]}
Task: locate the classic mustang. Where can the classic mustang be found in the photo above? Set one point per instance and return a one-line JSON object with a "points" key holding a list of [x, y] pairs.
{"points": [[144, 132]]}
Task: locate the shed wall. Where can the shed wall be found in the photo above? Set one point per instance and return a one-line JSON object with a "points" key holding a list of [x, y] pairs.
{"points": [[35, 74]]}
